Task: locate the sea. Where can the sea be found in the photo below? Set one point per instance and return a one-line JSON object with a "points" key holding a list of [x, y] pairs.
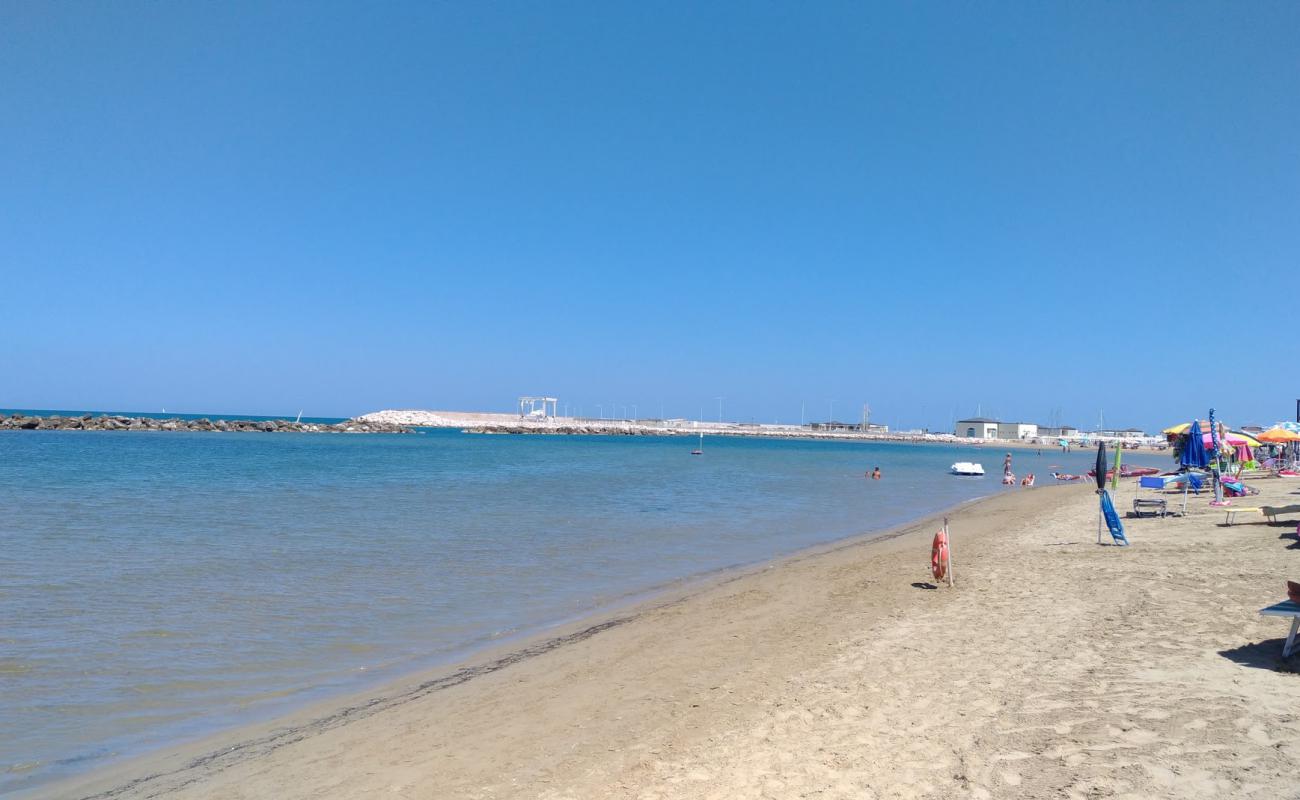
{"points": [[159, 586]]}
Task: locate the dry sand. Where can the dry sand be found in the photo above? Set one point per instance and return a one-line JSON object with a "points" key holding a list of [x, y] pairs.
{"points": [[1055, 668]]}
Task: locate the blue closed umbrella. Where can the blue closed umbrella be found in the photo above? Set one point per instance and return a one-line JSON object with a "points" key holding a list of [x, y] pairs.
{"points": [[1193, 454]]}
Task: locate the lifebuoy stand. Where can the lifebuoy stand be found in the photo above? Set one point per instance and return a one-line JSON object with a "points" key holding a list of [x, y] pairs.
{"points": [[948, 536], [941, 555]]}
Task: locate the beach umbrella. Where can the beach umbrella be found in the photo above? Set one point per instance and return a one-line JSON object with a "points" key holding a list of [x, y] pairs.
{"points": [[1192, 455], [1107, 510], [1193, 452], [1278, 435], [1218, 459], [1099, 472], [1114, 479], [1235, 438]]}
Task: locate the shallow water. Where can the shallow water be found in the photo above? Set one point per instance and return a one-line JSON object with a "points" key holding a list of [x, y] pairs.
{"points": [[160, 585]]}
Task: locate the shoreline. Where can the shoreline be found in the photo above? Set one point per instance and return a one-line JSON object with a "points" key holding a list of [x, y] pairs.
{"points": [[493, 423], [1055, 667], [121, 776]]}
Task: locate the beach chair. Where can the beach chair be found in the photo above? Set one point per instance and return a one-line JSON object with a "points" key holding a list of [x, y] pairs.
{"points": [[1273, 512], [1150, 507], [1286, 608], [1233, 512]]}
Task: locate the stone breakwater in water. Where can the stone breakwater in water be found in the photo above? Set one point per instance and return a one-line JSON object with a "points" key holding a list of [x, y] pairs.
{"points": [[105, 422]]}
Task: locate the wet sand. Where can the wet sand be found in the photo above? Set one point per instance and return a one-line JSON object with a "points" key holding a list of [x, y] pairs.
{"points": [[1054, 668]]}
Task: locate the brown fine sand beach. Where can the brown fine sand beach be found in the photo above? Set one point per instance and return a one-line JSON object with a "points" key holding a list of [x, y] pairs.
{"points": [[1054, 668]]}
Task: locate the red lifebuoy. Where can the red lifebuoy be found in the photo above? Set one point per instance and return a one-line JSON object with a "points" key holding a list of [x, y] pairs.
{"points": [[939, 556]]}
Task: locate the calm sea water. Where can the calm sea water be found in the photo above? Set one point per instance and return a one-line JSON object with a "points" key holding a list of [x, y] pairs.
{"points": [[155, 586]]}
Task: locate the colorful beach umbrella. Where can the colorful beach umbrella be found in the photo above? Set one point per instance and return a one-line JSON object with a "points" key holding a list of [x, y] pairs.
{"points": [[1278, 435], [1236, 438], [1231, 437]]}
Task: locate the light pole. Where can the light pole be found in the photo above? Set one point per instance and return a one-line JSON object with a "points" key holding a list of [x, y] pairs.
{"points": [[634, 412], [719, 399]]}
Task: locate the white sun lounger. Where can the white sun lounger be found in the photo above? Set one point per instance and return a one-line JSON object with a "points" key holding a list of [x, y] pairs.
{"points": [[1273, 512], [1286, 608]]}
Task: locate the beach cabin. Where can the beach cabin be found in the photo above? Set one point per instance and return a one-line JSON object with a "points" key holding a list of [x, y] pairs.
{"points": [[1061, 432], [1017, 430], [976, 428]]}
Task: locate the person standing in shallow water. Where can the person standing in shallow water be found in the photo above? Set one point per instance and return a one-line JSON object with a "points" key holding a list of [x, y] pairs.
{"points": [[1006, 466], [875, 474]]}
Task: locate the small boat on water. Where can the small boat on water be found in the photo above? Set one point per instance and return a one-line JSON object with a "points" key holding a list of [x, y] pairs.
{"points": [[699, 451], [1127, 472], [968, 468]]}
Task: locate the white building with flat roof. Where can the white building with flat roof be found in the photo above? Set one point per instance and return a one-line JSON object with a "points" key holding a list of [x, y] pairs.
{"points": [[1017, 430]]}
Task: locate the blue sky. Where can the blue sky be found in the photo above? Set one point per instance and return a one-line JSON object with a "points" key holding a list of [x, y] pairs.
{"points": [[1036, 209]]}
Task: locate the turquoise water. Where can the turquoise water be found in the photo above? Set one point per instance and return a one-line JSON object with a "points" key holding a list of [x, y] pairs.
{"points": [[155, 586]]}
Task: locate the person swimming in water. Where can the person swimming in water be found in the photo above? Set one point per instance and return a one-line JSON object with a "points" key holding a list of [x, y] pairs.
{"points": [[875, 474]]}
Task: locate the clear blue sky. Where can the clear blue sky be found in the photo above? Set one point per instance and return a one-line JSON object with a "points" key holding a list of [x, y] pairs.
{"points": [[266, 207]]}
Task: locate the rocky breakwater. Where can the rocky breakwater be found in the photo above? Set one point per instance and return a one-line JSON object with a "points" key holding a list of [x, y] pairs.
{"points": [[106, 422], [577, 430]]}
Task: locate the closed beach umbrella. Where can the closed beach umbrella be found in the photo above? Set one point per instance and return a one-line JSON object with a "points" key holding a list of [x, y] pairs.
{"points": [[1193, 453], [1218, 455], [1106, 512], [1099, 472]]}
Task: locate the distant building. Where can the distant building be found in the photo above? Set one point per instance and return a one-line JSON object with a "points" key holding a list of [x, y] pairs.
{"points": [[848, 427], [1060, 432], [1127, 433], [1017, 430], [976, 428]]}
